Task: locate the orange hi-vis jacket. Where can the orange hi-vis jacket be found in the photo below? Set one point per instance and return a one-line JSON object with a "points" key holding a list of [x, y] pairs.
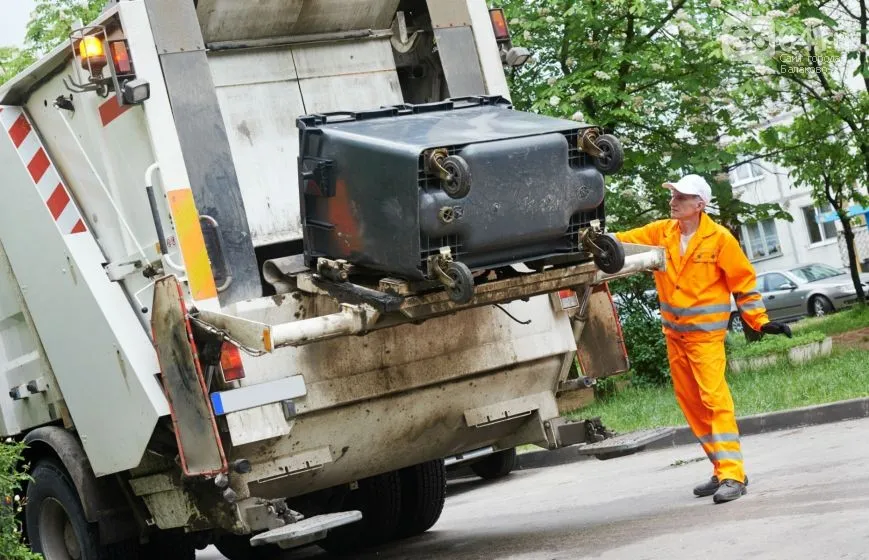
{"points": [[695, 288]]}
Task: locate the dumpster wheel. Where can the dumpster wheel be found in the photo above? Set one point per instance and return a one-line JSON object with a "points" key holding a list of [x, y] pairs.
{"points": [[612, 155], [462, 289], [609, 254]]}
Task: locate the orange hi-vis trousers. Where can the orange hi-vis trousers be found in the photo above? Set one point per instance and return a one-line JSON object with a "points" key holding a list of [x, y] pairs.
{"points": [[697, 369]]}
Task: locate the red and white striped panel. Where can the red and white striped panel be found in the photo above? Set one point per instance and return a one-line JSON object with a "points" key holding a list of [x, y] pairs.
{"points": [[45, 177]]}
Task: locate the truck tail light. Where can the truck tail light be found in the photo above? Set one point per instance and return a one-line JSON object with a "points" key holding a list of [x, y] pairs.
{"points": [[499, 24], [230, 362], [121, 57]]}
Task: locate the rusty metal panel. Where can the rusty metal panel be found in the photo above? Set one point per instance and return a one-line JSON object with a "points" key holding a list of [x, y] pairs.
{"points": [[233, 20], [456, 47], [261, 93], [195, 428], [449, 13], [601, 346]]}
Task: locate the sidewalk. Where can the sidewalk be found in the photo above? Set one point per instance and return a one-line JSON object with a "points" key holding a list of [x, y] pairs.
{"points": [[748, 425]]}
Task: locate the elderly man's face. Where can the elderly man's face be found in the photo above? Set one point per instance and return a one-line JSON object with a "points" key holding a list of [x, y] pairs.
{"points": [[685, 206]]}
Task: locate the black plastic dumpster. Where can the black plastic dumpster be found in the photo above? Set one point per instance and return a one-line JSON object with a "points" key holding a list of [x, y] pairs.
{"points": [[450, 187]]}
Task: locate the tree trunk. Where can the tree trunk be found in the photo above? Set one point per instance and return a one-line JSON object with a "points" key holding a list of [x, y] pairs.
{"points": [[852, 255]]}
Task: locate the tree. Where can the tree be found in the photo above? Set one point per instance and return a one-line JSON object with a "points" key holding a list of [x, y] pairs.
{"points": [[50, 24], [652, 73], [817, 70]]}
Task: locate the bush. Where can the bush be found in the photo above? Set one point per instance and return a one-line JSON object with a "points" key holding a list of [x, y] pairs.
{"points": [[11, 480], [637, 304]]}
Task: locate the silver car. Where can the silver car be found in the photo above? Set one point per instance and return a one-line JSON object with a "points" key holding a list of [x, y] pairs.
{"points": [[809, 289]]}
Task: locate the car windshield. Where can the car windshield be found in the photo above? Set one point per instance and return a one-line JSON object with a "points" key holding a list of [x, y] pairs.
{"points": [[815, 272]]}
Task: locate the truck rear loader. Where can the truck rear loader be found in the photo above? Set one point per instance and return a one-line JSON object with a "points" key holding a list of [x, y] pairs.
{"points": [[195, 347]]}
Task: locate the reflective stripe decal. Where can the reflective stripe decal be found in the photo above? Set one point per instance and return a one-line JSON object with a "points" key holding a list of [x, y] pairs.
{"points": [[751, 305], [746, 295], [712, 438], [697, 327], [722, 455], [192, 243], [696, 310]]}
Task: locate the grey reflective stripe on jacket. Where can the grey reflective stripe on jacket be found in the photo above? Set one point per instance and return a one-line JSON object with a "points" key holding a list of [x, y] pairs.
{"points": [[742, 296], [695, 310], [750, 305], [697, 327]]}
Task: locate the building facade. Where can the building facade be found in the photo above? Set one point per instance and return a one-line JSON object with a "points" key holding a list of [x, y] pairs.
{"points": [[778, 244]]}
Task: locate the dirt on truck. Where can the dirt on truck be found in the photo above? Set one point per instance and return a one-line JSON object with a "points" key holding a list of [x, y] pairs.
{"points": [[265, 266]]}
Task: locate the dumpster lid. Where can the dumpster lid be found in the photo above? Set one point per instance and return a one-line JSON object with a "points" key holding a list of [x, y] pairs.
{"points": [[453, 122]]}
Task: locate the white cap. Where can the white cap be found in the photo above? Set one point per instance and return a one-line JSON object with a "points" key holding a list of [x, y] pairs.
{"points": [[692, 184]]}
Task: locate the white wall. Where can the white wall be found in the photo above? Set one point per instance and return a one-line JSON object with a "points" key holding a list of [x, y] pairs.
{"points": [[775, 185]]}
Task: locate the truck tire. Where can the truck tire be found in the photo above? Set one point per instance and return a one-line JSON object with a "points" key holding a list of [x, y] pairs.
{"points": [[54, 517], [423, 492], [496, 465], [379, 500], [237, 547]]}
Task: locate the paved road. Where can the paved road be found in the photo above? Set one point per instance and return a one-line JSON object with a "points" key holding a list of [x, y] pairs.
{"points": [[808, 498]]}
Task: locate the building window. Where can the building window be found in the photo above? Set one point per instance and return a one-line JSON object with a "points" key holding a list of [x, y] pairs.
{"points": [[746, 173], [818, 233], [760, 240]]}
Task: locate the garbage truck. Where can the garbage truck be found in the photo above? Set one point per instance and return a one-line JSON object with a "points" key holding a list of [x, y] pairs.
{"points": [[227, 317]]}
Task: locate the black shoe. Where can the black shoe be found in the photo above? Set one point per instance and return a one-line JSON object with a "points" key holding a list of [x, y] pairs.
{"points": [[707, 488], [728, 491]]}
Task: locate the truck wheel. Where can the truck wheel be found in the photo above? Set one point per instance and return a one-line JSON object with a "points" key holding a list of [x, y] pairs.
{"points": [[53, 515], [379, 500], [496, 465], [423, 492], [237, 547]]}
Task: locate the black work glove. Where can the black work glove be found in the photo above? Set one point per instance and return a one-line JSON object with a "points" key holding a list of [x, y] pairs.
{"points": [[774, 327]]}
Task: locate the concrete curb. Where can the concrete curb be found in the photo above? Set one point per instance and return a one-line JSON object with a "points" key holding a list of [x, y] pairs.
{"points": [[748, 425]]}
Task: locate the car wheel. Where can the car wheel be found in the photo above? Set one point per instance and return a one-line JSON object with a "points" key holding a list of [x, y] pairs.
{"points": [[734, 325], [820, 306]]}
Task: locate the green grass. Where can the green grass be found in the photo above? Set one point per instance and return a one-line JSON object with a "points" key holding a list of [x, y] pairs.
{"points": [[852, 319], [737, 347], [843, 375]]}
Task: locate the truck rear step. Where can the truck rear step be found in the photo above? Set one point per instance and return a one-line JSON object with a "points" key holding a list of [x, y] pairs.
{"points": [[306, 531]]}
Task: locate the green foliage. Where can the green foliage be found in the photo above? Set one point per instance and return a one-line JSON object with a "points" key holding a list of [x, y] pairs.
{"points": [[738, 347], [50, 24], [652, 72], [779, 387], [11, 480], [641, 328], [849, 320]]}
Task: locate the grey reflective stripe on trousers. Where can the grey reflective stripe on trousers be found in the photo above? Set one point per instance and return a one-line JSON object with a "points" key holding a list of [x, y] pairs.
{"points": [[695, 310], [722, 455], [697, 327], [712, 438]]}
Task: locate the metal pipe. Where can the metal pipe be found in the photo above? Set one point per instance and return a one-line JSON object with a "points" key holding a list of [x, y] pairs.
{"points": [[648, 260], [298, 39], [463, 457], [158, 222], [351, 319]]}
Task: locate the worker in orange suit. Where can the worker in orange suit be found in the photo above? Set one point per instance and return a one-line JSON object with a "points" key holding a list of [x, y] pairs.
{"points": [[705, 265]]}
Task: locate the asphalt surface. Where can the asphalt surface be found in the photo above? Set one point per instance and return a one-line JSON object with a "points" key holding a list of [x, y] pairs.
{"points": [[808, 498]]}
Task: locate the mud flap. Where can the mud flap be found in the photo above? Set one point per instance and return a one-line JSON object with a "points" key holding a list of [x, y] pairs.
{"points": [[600, 345], [199, 442], [625, 444]]}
